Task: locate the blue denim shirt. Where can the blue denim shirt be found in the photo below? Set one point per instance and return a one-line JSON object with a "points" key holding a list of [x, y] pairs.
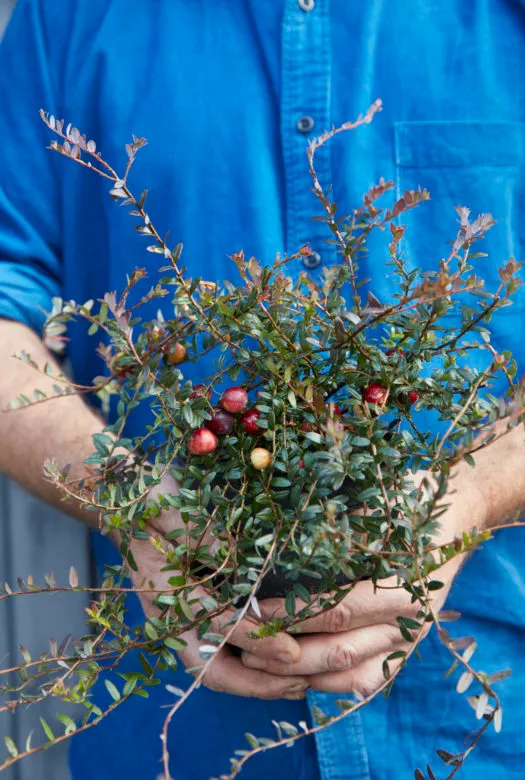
{"points": [[228, 92]]}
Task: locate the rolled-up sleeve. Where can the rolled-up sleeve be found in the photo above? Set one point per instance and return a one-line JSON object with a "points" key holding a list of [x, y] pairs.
{"points": [[30, 267]]}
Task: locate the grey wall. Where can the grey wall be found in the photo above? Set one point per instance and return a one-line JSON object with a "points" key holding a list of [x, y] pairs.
{"points": [[35, 539], [5, 10]]}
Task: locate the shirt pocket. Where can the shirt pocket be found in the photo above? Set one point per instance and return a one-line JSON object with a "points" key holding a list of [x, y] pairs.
{"points": [[479, 165]]}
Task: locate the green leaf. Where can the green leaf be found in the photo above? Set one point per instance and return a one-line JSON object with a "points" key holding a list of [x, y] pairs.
{"points": [[174, 643], [167, 599], [281, 482], [301, 592], [318, 715], [102, 443], [251, 740], [49, 734], [289, 603], [243, 588], [129, 687], [405, 633], [209, 603], [409, 622], [150, 631], [266, 539], [68, 722], [113, 690], [360, 441], [186, 609], [11, 747], [396, 654], [289, 730], [179, 580], [145, 664]]}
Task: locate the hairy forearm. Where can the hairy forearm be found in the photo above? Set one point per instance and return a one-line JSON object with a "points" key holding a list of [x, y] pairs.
{"points": [[499, 478], [61, 428]]}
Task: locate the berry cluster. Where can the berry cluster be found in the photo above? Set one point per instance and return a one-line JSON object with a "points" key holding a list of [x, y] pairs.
{"points": [[232, 402]]}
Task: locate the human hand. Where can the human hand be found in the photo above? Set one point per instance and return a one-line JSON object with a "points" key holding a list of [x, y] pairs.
{"points": [[226, 672], [343, 649]]}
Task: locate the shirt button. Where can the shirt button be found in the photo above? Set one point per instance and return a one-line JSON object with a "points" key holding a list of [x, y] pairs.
{"points": [[306, 5], [312, 260], [304, 124]]}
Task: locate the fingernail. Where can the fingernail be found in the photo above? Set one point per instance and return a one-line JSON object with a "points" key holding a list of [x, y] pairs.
{"points": [[285, 658], [254, 662], [298, 687]]}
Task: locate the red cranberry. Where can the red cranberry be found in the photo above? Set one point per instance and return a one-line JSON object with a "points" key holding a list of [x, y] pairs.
{"points": [[249, 421], [202, 442], [221, 423], [412, 396], [395, 351], [375, 394], [119, 368], [123, 371], [234, 400]]}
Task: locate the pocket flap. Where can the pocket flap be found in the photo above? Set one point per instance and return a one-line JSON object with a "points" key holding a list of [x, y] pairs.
{"points": [[459, 144]]}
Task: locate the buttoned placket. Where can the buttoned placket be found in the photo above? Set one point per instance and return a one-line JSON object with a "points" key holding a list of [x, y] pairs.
{"points": [[305, 112]]}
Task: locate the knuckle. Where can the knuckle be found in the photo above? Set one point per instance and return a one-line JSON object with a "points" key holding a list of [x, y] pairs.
{"points": [[413, 610], [341, 657], [390, 634], [367, 686], [339, 618], [213, 683]]}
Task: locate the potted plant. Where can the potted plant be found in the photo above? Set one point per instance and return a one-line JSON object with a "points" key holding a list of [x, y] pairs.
{"points": [[302, 459]]}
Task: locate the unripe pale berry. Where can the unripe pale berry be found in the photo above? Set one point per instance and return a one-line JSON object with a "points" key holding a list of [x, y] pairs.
{"points": [[234, 400], [156, 333], [260, 458], [175, 354], [375, 394], [221, 423], [249, 421], [202, 442]]}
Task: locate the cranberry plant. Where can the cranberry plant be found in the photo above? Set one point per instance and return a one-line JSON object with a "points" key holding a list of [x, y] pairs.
{"points": [[299, 456]]}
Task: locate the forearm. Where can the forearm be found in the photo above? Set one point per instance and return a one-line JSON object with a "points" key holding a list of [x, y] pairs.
{"points": [[61, 428], [499, 478]]}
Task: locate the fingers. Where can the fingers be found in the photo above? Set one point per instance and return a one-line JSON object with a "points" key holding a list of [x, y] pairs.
{"points": [[365, 679], [363, 606], [227, 674], [282, 647], [321, 653]]}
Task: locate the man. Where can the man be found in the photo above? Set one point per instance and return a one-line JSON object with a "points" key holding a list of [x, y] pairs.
{"points": [[228, 94]]}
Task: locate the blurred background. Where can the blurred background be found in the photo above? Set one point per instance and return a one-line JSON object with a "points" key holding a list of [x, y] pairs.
{"points": [[5, 10], [35, 539]]}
